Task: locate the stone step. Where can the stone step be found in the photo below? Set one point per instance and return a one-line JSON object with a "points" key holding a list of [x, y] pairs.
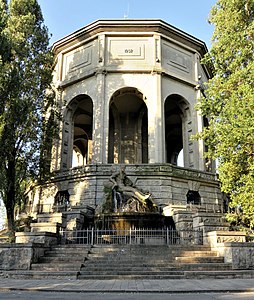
{"points": [[56, 267], [199, 259], [185, 275], [30, 274], [205, 266], [73, 275], [70, 249], [71, 246], [130, 248], [126, 252], [167, 250], [196, 266], [176, 251], [137, 259], [143, 247], [126, 260], [129, 268], [138, 273], [128, 257], [130, 276], [50, 253], [219, 274], [59, 259], [161, 260], [196, 253]]}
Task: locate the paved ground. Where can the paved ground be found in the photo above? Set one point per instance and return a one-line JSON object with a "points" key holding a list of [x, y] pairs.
{"points": [[25, 295], [181, 286]]}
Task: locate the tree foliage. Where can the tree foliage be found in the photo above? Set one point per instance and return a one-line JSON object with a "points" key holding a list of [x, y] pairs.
{"points": [[229, 102], [25, 76]]}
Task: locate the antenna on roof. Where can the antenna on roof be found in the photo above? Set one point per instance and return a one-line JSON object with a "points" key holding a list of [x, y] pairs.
{"points": [[126, 15]]}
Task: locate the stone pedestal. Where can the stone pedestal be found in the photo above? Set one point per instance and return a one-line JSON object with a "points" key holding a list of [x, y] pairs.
{"points": [[45, 226], [74, 220], [232, 245], [183, 220], [214, 238], [209, 221], [169, 210], [52, 218], [44, 238]]}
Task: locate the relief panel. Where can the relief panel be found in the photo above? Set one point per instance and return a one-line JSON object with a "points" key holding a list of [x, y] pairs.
{"points": [[79, 60], [177, 60], [129, 51]]}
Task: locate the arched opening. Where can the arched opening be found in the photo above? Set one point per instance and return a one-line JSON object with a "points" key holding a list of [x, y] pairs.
{"points": [[82, 130], [128, 128], [174, 113], [193, 197]]}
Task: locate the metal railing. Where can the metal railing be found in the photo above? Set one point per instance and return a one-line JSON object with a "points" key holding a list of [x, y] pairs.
{"points": [[136, 236]]}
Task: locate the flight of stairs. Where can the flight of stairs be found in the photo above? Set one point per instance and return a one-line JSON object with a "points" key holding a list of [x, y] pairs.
{"points": [[129, 262], [153, 262], [61, 261], [58, 262]]}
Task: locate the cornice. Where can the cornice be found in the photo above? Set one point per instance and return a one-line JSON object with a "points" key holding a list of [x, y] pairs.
{"points": [[130, 25]]}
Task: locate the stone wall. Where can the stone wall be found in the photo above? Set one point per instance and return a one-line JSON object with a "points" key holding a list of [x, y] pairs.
{"points": [[167, 184], [19, 256], [233, 246], [241, 255]]}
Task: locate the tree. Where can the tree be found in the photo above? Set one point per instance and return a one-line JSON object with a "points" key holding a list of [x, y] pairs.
{"points": [[25, 76], [229, 103]]}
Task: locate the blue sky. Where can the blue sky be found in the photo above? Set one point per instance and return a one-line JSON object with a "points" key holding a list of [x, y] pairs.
{"points": [[66, 16]]}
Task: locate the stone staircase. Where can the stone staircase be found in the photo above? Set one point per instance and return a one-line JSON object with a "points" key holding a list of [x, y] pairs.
{"points": [[129, 262], [61, 261], [153, 262], [58, 262]]}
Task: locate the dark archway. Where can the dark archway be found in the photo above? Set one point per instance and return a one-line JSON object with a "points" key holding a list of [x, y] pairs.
{"points": [[193, 197], [175, 117], [128, 127], [82, 107]]}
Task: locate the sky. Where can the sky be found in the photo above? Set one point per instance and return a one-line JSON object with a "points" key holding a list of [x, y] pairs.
{"points": [[63, 17]]}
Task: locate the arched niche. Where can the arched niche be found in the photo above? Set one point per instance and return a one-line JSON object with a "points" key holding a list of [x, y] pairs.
{"points": [[82, 129], [128, 127], [176, 125], [193, 197]]}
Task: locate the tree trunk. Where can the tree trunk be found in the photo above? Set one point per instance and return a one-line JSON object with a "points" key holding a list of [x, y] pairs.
{"points": [[10, 194], [10, 218]]}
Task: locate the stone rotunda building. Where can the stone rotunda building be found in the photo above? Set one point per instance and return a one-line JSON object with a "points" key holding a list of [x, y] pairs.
{"points": [[127, 91]]}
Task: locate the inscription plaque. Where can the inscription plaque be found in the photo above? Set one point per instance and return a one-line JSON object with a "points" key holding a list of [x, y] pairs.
{"points": [[127, 49]]}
